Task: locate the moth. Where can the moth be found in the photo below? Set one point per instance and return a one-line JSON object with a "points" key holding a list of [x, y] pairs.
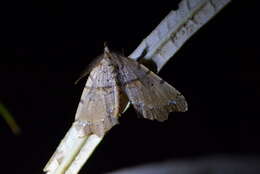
{"points": [[115, 80]]}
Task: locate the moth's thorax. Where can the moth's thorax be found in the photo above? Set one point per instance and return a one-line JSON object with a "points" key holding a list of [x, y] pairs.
{"points": [[113, 59]]}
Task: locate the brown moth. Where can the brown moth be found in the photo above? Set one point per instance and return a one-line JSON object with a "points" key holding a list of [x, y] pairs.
{"points": [[113, 81]]}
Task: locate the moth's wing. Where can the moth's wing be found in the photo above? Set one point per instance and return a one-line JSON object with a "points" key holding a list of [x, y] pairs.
{"points": [[152, 97], [100, 102]]}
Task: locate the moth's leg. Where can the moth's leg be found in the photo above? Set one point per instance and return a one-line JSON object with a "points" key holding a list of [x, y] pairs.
{"points": [[149, 63], [144, 52]]}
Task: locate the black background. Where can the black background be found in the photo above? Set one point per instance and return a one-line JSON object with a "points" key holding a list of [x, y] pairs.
{"points": [[46, 44]]}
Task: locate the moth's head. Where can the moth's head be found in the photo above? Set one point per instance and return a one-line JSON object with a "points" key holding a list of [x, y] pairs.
{"points": [[106, 49], [107, 52]]}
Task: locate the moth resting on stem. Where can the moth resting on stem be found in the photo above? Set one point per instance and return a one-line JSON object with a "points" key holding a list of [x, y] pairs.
{"points": [[113, 81]]}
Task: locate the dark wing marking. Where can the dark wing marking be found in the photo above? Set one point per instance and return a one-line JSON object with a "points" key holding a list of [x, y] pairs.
{"points": [[150, 95], [99, 106]]}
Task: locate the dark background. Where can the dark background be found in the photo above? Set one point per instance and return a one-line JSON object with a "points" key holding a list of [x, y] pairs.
{"points": [[44, 45]]}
